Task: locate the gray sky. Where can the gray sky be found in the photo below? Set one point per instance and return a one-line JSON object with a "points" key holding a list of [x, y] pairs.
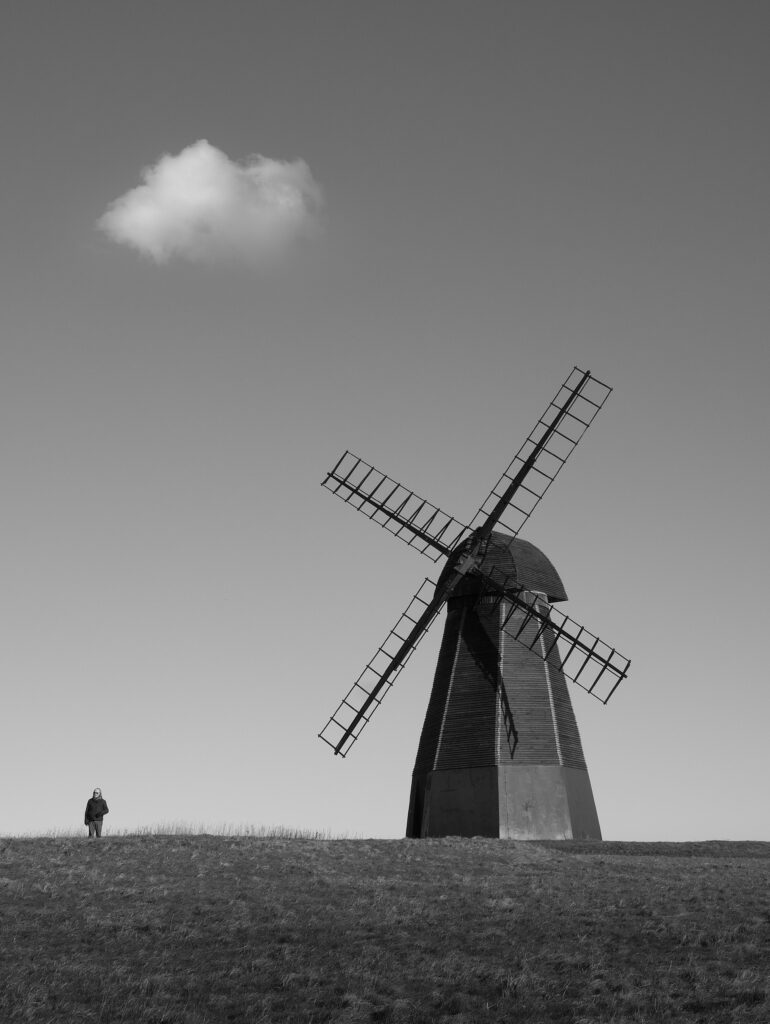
{"points": [[495, 193]]}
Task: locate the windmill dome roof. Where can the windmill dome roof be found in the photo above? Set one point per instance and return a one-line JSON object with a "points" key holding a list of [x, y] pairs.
{"points": [[517, 560]]}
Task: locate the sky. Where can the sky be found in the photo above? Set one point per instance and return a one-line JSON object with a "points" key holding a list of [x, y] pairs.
{"points": [[238, 239]]}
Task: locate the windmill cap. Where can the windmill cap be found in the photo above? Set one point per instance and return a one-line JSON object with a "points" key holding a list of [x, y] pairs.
{"points": [[516, 560]]}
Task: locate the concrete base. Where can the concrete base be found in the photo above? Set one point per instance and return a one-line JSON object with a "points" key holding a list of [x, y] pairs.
{"points": [[506, 801], [546, 802], [454, 802]]}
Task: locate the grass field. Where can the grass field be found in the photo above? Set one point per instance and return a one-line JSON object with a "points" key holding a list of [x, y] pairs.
{"points": [[186, 929]]}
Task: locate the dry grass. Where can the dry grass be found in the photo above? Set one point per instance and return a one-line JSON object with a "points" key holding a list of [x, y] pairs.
{"points": [[184, 929]]}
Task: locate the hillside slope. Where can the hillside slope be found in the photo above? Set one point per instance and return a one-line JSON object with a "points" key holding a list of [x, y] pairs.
{"points": [[193, 929]]}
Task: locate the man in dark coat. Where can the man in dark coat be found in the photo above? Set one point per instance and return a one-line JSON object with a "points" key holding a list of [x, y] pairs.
{"points": [[96, 808]]}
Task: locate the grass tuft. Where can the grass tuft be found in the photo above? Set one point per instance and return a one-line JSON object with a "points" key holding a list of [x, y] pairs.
{"points": [[186, 828]]}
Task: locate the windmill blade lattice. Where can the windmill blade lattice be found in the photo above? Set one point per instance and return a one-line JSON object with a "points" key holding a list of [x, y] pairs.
{"points": [[565, 644], [367, 693], [403, 513], [541, 457]]}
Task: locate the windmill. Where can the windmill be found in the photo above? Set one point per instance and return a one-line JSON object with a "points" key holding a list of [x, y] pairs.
{"points": [[500, 752]]}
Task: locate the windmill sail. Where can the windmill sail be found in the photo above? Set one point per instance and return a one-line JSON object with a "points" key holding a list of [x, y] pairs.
{"points": [[417, 522], [564, 643], [535, 466], [367, 693]]}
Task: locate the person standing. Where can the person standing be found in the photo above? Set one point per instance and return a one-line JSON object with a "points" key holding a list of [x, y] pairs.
{"points": [[96, 808]]}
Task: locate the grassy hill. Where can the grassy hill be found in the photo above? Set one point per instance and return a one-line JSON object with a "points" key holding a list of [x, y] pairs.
{"points": [[183, 929]]}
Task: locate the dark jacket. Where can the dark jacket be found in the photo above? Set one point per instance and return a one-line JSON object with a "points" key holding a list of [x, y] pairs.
{"points": [[96, 808]]}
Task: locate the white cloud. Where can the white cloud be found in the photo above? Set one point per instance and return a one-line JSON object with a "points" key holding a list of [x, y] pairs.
{"points": [[200, 205]]}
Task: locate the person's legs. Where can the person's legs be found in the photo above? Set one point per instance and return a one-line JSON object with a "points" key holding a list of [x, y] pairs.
{"points": [[98, 827], [91, 829]]}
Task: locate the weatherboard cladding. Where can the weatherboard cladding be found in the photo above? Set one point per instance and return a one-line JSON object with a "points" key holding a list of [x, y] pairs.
{"points": [[477, 716], [540, 704], [467, 732], [445, 668]]}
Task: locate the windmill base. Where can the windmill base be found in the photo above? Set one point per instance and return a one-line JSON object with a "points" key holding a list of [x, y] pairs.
{"points": [[504, 802]]}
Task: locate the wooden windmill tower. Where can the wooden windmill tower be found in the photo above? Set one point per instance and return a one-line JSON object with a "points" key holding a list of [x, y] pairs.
{"points": [[500, 753]]}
